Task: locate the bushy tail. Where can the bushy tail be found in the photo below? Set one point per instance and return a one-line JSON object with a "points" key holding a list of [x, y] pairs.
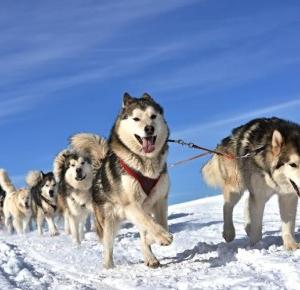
{"points": [[59, 165], [33, 178], [90, 144], [6, 183], [211, 172]]}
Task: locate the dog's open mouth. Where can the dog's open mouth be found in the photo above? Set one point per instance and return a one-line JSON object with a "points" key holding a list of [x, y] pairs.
{"points": [[148, 143], [80, 177], [295, 187]]}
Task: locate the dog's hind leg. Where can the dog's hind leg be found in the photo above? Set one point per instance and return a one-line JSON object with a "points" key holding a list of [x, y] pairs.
{"points": [[288, 210], [231, 198]]}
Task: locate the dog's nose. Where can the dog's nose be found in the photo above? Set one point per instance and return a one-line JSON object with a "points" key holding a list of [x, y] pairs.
{"points": [[51, 193], [149, 130], [78, 170]]}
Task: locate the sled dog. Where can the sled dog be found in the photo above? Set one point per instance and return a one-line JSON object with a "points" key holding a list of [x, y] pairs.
{"points": [[16, 206], [44, 199], [74, 174], [133, 181], [274, 168]]}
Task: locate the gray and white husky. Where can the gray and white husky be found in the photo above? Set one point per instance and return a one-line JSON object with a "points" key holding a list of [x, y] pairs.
{"points": [[74, 174], [133, 181], [43, 191], [275, 168]]}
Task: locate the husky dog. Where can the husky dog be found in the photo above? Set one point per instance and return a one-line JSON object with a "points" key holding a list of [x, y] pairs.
{"points": [[17, 205], [273, 168], [74, 174], [132, 182], [44, 196]]}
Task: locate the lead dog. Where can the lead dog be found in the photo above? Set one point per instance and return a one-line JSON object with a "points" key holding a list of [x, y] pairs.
{"points": [[273, 168], [17, 205], [133, 181], [74, 174], [44, 199]]}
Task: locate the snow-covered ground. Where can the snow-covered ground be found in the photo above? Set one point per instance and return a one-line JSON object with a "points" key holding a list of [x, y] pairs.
{"points": [[197, 259]]}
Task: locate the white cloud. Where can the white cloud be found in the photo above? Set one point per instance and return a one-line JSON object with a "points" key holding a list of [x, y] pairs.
{"points": [[193, 130]]}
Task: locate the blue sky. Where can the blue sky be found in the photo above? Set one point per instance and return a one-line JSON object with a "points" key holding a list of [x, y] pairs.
{"points": [[213, 65]]}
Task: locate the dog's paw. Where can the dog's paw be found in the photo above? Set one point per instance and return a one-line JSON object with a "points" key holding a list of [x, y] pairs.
{"points": [[108, 265], [229, 234], [152, 263], [54, 233], [164, 238], [291, 246]]}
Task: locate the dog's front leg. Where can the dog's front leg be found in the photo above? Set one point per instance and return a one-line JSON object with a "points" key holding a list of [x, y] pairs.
{"points": [[288, 209], [74, 228], [109, 232], [66, 222], [161, 212], [135, 213], [9, 224], [39, 221], [52, 227], [26, 222], [17, 222]]}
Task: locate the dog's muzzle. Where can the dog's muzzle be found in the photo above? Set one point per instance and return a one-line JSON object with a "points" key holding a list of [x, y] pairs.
{"points": [[295, 187]]}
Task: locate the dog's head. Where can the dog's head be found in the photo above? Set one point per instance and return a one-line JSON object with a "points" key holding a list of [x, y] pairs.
{"points": [[48, 187], [285, 155], [24, 198], [141, 126], [77, 170]]}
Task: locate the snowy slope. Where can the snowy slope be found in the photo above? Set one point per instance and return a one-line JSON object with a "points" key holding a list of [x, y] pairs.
{"points": [[197, 259]]}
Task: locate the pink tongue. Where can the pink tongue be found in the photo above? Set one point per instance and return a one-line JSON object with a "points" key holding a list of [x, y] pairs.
{"points": [[148, 147]]}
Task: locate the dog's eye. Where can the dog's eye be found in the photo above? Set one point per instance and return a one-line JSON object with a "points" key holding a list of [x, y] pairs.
{"points": [[153, 117], [136, 119], [73, 165], [294, 165], [47, 185], [82, 163]]}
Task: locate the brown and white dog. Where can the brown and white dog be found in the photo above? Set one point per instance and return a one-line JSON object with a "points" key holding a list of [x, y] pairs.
{"points": [[17, 205]]}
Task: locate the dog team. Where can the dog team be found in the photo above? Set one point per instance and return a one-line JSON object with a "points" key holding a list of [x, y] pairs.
{"points": [[126, 178]]}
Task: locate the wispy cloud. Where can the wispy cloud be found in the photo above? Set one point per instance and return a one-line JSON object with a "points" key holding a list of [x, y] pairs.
{"points": [[197, 128]]}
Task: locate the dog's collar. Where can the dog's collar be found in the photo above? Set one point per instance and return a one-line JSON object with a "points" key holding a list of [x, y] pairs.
{"points": [[146, 183], [49, 202]]}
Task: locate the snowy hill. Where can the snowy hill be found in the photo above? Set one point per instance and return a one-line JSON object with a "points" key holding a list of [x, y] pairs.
{"points": [[197, 259]]}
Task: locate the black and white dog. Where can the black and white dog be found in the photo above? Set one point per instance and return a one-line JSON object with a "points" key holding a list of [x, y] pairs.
{"points": [[44, 199]]}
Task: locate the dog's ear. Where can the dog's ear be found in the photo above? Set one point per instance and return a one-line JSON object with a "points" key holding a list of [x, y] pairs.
{"points": [[146, 96], [42, 174], [277, 142], [127, 100]]}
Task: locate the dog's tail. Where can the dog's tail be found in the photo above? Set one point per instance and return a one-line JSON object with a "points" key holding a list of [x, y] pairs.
{"points": [[33, 178], [91, 144], [59, 164], [6, 183], [211, 172]]}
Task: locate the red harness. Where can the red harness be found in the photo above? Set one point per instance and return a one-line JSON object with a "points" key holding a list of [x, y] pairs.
{"points": [[146, 183]]}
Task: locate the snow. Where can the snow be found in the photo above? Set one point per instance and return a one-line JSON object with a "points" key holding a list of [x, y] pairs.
{"points": [[197, 259]]}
